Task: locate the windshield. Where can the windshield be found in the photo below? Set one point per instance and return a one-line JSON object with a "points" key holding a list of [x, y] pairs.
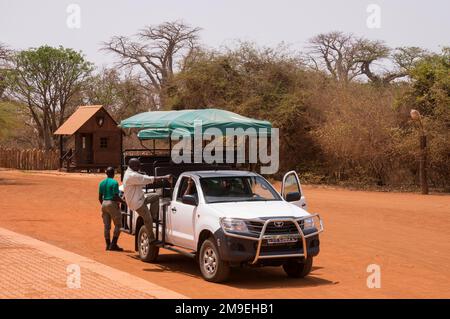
{"points": [[237, 189]]}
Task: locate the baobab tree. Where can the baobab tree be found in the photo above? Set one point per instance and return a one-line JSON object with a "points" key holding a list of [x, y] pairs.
{"points": [[337, 53], [156, 50], [401, 61], [346, 57]]}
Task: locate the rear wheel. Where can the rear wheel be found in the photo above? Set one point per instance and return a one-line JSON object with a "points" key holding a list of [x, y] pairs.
{"points": [[298, 269], [212, 266], [147, 251]]}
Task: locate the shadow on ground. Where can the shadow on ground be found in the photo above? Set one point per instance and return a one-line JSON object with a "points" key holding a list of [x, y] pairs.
{"points": [[245, 277]]}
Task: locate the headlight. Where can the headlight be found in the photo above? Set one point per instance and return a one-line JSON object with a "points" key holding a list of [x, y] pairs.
{"points": [[308, 223], [233, 225]]}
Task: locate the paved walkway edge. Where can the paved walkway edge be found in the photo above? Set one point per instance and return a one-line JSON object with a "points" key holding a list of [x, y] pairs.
{"points": [[116, 275]]}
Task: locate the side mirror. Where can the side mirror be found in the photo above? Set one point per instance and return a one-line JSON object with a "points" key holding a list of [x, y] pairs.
{"points": [[189, 200], [293, 196]]}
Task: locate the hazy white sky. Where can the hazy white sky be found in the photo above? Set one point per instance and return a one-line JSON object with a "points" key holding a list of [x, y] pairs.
{"points": [[25, 24]]}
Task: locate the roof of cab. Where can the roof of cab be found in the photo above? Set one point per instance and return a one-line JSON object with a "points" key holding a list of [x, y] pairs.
{"points": [[222, 173]]}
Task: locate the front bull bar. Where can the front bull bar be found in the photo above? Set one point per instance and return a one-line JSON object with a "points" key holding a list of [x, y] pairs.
{"points": [[263, 236]]}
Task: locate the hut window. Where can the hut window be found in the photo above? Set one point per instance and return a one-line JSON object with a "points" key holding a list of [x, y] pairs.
{"points": [[103, 142]]}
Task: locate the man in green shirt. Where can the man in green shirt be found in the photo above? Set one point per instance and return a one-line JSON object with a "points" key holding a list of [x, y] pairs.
{"points": [[108, 195]]}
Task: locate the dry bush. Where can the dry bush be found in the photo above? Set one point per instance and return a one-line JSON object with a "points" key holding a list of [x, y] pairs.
{"points": [[357, 133]]}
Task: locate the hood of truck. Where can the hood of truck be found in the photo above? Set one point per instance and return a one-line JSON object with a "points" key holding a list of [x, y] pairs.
{"points": [[250, 210]]}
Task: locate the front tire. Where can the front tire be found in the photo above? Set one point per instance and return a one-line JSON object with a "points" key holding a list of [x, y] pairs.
{"points": [[212, 267], [296, 269], [147, 251]]}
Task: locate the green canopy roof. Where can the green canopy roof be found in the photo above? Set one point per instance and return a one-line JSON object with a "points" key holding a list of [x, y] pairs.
{"points": [[159, 133], [160, 124]]}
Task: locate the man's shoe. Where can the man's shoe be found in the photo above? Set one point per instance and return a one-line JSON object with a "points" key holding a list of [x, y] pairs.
{"points": [[114, 246], [108, 243]]}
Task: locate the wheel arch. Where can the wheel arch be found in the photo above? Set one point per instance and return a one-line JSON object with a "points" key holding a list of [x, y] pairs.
{"points": [[202, 236]]}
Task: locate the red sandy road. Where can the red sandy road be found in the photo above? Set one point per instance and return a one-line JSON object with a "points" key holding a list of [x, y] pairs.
{"points": [[408, 235]]}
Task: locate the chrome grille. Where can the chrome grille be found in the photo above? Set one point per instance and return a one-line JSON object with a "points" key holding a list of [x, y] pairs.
{"points": [[254, 227], [287, 227]]}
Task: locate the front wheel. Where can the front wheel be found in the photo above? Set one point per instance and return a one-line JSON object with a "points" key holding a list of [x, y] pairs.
{"points": [[147, 251], [212, 266], [298, 269]]}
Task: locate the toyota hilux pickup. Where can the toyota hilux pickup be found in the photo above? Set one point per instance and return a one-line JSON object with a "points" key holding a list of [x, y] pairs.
{"points": [[230, 218]]}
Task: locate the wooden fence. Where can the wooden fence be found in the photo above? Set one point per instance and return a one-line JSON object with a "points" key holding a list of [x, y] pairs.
{"points": [[29, 159]]}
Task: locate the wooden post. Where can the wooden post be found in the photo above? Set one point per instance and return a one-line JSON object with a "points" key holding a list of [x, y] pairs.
{"points": [[61, 150], [423, 164]]}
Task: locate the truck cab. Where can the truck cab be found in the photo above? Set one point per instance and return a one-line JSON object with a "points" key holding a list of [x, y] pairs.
{"points": [[231, 218]]}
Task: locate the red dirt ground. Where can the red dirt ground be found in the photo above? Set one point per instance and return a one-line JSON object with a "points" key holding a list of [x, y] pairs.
{"points": [[408, 235]]}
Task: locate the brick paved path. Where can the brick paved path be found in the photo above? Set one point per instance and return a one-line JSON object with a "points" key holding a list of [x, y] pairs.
{"points": [[30, 268]]}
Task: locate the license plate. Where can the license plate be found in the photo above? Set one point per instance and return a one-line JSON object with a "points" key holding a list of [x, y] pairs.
{"points": [[281, 240]]}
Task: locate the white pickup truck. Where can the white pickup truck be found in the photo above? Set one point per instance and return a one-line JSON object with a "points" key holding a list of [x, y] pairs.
{"points": [[228, 218]]}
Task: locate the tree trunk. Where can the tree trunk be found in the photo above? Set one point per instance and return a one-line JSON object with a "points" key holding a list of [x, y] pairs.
{"points": [[47, 132]]}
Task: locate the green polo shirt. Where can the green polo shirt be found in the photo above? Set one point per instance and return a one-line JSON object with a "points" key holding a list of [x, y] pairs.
{"points": [[108, 188]]}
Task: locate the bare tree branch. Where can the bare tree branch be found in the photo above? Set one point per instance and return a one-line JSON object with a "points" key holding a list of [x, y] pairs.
{"points": [[156, 51], [346, 57], [335, 52]]}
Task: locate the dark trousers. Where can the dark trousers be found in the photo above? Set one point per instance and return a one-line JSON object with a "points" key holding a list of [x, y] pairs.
{"points": [[148, 215], [111, 211]]}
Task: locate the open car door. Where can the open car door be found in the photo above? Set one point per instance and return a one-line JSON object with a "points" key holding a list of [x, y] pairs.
{"points": [[291, 190]]}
